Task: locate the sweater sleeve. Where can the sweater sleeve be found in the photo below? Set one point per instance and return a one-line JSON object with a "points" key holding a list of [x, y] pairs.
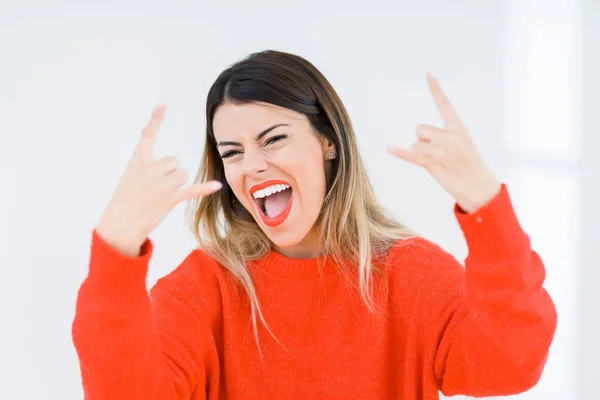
{"points": [[132, 345], [490, 323]]}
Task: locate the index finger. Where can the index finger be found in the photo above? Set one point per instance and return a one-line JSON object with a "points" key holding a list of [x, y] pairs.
{"points": [[149, 133], [447, 111]]}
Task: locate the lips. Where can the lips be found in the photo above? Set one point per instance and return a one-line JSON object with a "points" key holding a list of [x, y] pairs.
{"points": [[270, 188]]}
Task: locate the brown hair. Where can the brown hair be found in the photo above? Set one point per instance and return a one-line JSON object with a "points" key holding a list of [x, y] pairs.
{"points": [[352, 225]]}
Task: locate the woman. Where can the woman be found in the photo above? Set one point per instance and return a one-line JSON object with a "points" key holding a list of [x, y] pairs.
{"points": [[302, 286]]}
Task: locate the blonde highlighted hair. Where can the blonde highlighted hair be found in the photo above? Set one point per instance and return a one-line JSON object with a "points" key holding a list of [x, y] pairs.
{"points": [[352, 226]]}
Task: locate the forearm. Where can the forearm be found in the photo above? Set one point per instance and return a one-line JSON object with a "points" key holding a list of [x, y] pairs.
{"points": [[501, 340], [504, 322], [120, 353]]}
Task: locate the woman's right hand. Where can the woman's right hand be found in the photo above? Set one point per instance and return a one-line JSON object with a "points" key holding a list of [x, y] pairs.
{"points": [[147, 191]]}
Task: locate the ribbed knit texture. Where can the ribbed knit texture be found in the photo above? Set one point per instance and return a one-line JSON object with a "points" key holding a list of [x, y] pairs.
{"points": [[483, 330]]}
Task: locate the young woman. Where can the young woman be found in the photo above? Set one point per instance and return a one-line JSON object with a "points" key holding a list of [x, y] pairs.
{"points": [[302, 287]]}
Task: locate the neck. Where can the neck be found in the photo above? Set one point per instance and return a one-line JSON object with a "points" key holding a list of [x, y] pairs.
{"points": [[307, 248]]}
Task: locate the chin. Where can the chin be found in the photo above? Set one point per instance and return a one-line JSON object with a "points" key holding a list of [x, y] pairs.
{"points": [[285, 239], [294, 232], [290, 233]]}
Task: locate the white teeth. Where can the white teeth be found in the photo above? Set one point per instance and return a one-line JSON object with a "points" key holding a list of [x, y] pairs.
{"points": [[259, 194]]}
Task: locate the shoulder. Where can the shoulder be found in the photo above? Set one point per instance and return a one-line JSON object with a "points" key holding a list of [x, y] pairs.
{"points": [[418, 261], [198, 266], [198, 279]]}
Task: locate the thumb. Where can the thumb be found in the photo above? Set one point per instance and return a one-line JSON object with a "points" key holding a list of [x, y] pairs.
{"points": [[199, 190], [412, 156]]}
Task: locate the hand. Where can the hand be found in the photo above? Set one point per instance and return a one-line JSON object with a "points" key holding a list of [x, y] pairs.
{"points": [[147, 191], [451, 157]]}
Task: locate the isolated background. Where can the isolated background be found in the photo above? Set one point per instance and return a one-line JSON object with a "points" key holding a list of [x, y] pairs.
{"points": [[78, 81]]}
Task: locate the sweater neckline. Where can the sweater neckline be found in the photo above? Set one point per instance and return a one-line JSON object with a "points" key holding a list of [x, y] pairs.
{"points": [[275, 263]]}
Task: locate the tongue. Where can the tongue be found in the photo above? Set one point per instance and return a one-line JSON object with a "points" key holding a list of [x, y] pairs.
{"points": [[276, 203]]}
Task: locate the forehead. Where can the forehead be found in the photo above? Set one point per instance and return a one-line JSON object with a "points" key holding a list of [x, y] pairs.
{"points": [[252, 118]]}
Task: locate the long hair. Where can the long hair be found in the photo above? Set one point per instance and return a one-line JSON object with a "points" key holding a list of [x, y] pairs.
{"points": [[351, 226]]}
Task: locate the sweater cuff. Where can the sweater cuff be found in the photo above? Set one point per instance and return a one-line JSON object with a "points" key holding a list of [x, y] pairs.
{"points": [[118, 279], [493, 231]]}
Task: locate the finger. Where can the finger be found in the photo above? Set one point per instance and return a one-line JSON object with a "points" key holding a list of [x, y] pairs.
{"points": [[434, 142], [432, 133], [177, 178], [413, 156], [199, 190], [166, 165], [445, 108], [433, 152], [430, 151], [149, 133]]}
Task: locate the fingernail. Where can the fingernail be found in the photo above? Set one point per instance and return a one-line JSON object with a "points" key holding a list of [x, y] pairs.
{"points": [[391, 147]]}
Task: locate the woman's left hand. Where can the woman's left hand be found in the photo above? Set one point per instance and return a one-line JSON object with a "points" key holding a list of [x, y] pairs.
{"points": [[451, 157]]}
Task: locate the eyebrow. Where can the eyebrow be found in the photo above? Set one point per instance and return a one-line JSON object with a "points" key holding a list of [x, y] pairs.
{"points": [[258, 137]]}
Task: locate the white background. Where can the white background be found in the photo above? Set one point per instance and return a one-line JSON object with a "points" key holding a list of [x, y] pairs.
{"points": [[78, 81]]}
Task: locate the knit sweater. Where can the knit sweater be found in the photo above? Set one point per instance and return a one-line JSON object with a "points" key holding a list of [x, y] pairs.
{"points": [[482, 330]]}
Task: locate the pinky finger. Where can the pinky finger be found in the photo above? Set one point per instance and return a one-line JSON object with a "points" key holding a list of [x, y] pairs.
{"points": [[412, 156]]}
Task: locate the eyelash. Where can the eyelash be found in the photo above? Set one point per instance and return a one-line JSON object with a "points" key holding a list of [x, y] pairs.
{"points": [[268, 142]]}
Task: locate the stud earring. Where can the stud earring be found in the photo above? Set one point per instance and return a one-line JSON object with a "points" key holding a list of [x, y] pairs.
{"points": [[331, 155]]}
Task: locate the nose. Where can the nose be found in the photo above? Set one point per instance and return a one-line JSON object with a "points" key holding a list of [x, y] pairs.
{"points": [[254, 163]]}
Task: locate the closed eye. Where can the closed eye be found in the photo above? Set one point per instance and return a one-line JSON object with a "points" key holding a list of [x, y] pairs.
{"points": [[275, 139], [230, 153], [270, 141]]}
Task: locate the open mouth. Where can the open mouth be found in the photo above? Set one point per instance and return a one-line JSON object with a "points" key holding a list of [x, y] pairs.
{"points": [[274, 201]]}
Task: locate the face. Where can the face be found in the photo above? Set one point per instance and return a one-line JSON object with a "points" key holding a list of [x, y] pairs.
{"points": [[277, 167]]}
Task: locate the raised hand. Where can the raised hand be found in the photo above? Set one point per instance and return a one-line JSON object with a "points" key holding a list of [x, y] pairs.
{"points": [[451, 157], [147, 191]]}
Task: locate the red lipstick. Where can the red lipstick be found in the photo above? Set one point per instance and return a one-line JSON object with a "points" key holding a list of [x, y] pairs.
{"points": [[278, 220]]}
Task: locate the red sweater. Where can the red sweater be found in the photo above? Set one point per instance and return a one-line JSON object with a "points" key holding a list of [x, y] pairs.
{"points": [[483, 330]]}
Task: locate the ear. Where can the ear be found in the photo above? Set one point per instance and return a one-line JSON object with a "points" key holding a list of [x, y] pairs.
{"points": [[329, 149]]}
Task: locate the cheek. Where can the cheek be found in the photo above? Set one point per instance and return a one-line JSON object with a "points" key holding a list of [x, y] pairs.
{"points": [[310, 175], [235, 181]]}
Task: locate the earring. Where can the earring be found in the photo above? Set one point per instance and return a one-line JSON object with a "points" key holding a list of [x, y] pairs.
{"points": [[331, 155]]}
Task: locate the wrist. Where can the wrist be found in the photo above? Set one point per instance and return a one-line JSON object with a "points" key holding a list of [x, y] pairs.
{"points": [[125, 244], [480, 197]]}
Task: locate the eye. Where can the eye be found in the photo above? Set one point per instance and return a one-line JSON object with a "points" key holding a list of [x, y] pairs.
{"points": [[230, 154], [275, 139]]}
